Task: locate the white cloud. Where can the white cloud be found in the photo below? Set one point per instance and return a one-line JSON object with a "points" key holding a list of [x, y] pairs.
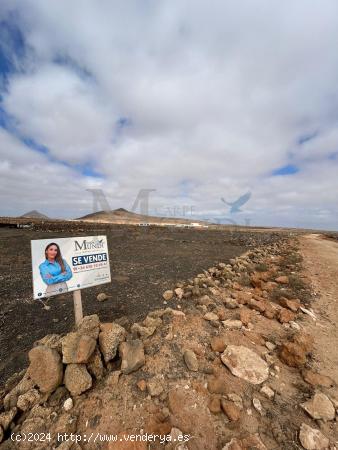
{"points": [[217, 95]]}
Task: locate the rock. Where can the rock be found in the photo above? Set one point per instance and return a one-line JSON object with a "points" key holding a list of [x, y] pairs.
{"points": [[109, 341], [176, 435], [285, 315], [230, 410], [294, 353], [77, 379], [267, 391], [53, 341], [154, 387], [25, 384], [210, 316], [190, 360], [95, 364], [45, 368], [32, 426], [179, 293], [254, 442], [270, 346], [142, 385], [77, 348], [282, 279], [113, 378], [257, 405], [102, 297], [308, 312], [132, 354], [232, 324], [257, 305], [291, 304], [320, 407], [150, 322], [68, 404], [28, 400], [294, 325], [270, 312], [168, 295], [142, 332], [217, 344], [214, 404], [90, 326], [236, 399], [66, 423], [305, 340], [230, 303], [1, 434], [245, 316], [256, 280], [7, 417], [58, 396], [245, 364], [190, 414], [243, 297], [234, 444], [312, 439], [316, 379]]}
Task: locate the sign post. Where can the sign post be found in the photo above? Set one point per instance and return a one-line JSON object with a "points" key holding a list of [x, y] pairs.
{"points": [[77, 306], [69, 264]]}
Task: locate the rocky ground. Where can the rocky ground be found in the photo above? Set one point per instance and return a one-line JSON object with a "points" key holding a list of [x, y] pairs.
{"points": [[144, 262], [240, 356]]}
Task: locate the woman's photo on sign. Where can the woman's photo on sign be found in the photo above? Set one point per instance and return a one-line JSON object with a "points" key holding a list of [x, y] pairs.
{"points": [[54, 271]]}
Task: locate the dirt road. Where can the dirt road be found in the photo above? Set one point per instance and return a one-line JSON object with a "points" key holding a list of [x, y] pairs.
{"points": [[321, 266]]}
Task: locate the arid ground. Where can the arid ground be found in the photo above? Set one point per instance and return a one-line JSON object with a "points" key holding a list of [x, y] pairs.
{"points": [[144, 262]]}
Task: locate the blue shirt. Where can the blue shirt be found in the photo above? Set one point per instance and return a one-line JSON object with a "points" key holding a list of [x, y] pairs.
{"points": [[54, 269]]}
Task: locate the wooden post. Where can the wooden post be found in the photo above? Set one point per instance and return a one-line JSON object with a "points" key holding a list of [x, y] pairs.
{"points": [[77, 306]]}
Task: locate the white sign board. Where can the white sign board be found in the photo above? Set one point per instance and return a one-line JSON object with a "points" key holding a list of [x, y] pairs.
{"points": [[69, 264]]}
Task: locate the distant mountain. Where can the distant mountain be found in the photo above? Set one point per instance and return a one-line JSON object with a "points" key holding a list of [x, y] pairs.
{"points": [[34, 215], [121, 215]]}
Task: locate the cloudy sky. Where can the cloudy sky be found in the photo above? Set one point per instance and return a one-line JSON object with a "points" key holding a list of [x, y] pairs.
{"points": [[197, 100]]}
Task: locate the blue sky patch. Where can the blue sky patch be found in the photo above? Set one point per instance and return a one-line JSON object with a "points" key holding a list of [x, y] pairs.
{"points": [[289, 169], [12, 46]]}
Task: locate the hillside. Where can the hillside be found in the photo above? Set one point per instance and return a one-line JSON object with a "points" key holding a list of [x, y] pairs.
{"points": [[121, 215]]}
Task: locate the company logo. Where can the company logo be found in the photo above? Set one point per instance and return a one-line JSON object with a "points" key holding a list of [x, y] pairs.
{"points": [[89, 245]]}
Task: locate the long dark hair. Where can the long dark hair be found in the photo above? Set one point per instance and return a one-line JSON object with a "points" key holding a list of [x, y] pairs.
{"points": [[58, 256]]}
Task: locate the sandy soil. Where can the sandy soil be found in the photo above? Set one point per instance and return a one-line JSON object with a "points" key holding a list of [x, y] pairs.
{"points": [[321, 266]]}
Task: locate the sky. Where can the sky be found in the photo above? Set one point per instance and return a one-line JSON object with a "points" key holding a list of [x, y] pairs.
{"points": [[196, 101]]}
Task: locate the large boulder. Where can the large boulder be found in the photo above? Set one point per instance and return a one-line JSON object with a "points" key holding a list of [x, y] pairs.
{"points": [[45, 369], [110, 339], [77, 379], [132, 354], [77, 348], [245, 364]]}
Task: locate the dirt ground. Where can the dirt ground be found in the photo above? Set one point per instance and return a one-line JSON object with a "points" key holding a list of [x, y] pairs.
{"points": [[217, 407], [144, 262], [321, 266]]}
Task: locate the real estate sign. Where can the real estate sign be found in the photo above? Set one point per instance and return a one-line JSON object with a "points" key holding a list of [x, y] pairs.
{"points": [[69, 264]]}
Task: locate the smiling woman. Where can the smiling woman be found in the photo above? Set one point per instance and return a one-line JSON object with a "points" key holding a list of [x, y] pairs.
{"points": [[54, 271]]}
